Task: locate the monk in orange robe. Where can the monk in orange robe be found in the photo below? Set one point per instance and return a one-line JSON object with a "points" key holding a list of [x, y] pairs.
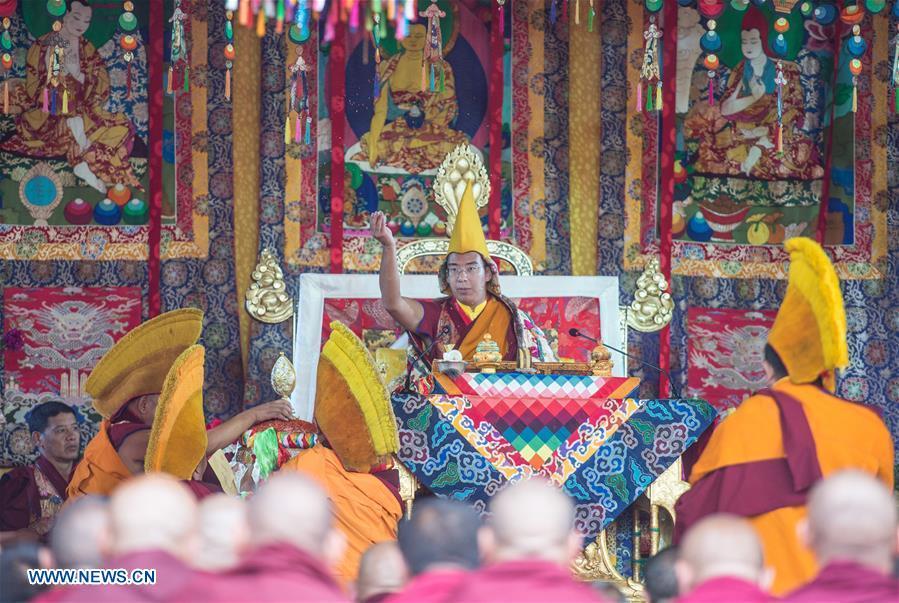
{"points": [[70, 119], [125, 387], [762, 460]]}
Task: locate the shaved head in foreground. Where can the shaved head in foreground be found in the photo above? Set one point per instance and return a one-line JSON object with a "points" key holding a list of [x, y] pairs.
{"points": [[307, 526], [531, 520], [223, 531], [80, 536], [852, 517], [720, 546], [153, 512], [381, 570]]}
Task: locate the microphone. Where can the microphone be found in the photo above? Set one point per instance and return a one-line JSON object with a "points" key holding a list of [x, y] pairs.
{"points": [[575, 332]]}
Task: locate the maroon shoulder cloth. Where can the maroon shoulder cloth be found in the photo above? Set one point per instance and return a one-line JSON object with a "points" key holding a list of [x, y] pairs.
{"points": [[758, 487]]}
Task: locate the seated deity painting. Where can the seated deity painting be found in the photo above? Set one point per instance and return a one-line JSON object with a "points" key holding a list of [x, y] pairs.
{"points": [[412, 97], [754, 99], [74, 136]]}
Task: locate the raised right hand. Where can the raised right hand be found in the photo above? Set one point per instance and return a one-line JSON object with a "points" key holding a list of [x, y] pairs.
{"points": [[379, 229]]}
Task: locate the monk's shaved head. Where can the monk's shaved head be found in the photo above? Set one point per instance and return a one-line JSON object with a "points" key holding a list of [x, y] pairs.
{"points": [[153, 512], [532, 519], [80, 535], [293, 509], [719, 546], [381, 570], [852, 517], [224, 532]]}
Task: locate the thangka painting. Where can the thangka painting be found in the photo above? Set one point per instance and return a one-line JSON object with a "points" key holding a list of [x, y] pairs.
{"points": [[405, 109], [778, 114], [725, 354], [76, 115]]}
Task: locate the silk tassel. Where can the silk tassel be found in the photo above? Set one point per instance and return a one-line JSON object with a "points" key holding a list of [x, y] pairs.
{"points": [[854, 99], [65, 101], [46, 106], [298, 127], [711, 91], [287, 130], [228, 84], [260, 24], [168, 84], [424, 76], [659, 96], [187, 78], [896, 100], [307, 136], [591, 14], [431, 79], [639, 96], [53, 102]]}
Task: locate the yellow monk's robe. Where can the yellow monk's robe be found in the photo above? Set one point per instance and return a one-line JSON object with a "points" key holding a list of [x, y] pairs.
{"points": [[101, 469], [761, 461], [365, 509]]}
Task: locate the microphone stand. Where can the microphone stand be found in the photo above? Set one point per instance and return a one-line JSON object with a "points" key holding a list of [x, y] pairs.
{"points": [[575, 332]]}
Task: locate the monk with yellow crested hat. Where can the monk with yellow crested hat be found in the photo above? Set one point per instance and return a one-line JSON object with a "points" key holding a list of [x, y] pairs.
{"points": [[762, 460], [474, 306], [126, 385]]}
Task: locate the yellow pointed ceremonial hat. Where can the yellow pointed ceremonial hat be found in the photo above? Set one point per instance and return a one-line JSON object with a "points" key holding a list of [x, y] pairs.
{"points": [[467, 233], [809, 333], [138, 363], [352, 404], [178, 436]]}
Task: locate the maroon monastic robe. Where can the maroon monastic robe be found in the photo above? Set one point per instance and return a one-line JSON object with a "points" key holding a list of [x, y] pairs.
{"points": [[717, 590], [526, 580], [847, 582], [431, 587], [276, 572], [30, 496]]}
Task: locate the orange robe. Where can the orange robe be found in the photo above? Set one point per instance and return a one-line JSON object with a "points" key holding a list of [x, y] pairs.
{"points": [[101, 469], [365, 510], [845, 435]]}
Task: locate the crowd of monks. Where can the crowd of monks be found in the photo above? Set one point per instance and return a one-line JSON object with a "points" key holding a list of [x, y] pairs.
{"points": [[791, 494]]}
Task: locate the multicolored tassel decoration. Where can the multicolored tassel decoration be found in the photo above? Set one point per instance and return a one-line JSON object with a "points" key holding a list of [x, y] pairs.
{"points": [[651, 72], [179, 48], [229, 51], [855, 67], [780, 80], [895, 77], [433, 51], [6, 54]]}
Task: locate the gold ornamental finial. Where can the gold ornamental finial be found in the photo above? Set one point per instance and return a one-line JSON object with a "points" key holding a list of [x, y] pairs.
{"points": [[652, 307], [267, 299]]}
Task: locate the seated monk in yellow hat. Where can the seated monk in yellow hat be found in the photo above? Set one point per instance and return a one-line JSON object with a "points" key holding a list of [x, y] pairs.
{"points": [[355, 463], [474, 306], [762, 460], [125, 387]]}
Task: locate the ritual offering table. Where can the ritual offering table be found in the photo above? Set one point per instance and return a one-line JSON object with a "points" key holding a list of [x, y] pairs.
{"points": [[477, 432]]}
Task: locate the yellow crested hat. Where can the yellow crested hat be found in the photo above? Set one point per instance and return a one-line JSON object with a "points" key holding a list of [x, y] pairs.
{"points": [[178, 436], [809, 333], [138, 363], [467, 233], [352, 405]]}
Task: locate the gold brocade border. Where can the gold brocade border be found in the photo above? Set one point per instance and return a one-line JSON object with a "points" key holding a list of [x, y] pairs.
{"points": [[245, 116], [199, 152], [536, 163], [293, 169], [584, 132]]}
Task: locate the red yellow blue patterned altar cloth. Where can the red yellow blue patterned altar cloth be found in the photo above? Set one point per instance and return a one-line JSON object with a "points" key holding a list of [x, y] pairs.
{"points": [[582, 432]]}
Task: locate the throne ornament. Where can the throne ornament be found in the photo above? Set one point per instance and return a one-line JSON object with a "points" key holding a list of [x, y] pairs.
{"points": [[266, 298]]}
